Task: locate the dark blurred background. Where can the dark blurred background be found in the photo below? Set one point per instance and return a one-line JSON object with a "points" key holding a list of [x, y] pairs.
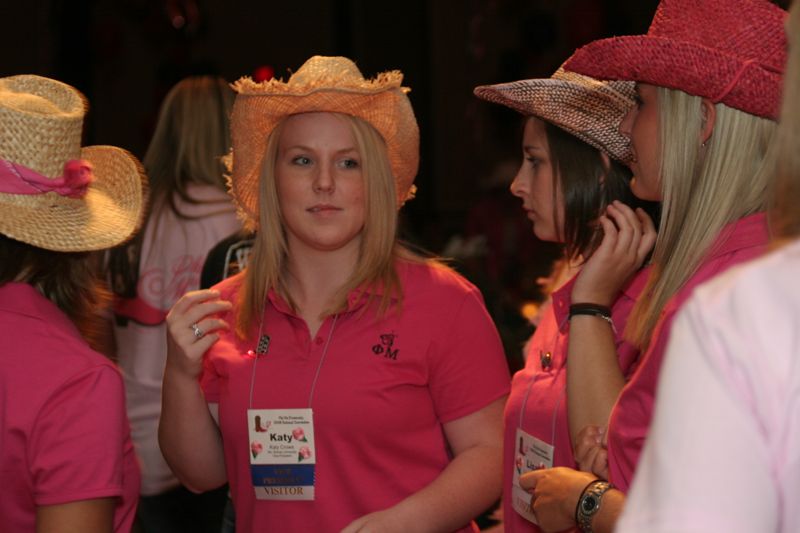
{"points": [[126, 54]]}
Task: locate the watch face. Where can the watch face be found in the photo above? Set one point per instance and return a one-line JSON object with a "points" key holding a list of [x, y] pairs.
{"points": [[589, 504]]}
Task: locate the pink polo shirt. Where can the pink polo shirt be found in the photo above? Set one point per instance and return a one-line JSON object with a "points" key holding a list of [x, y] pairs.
{"points": [[544, 413], [724, 450], [378, 413], [630, 419], [64, 436]]}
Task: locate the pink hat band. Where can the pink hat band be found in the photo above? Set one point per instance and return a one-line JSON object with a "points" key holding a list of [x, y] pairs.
{"points": [[19, 179], [730, 51]]}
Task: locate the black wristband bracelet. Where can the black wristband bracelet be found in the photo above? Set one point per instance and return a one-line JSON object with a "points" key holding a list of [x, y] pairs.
{"points": [[600, 311], [589, 309]]}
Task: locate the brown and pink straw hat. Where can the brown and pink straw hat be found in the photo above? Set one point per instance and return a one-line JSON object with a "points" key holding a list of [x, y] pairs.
{"points": [[322, 84], [53, 193], [730, 51], [587, 108]]}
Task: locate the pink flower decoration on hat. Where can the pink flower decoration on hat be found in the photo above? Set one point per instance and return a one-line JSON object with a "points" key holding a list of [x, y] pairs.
{"points": [[299, 435], [77, 177], [256, 448], [304, 453]]}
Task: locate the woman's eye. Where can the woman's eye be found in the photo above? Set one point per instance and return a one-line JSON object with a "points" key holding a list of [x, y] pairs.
{"points": [[349, 163], [533, 161], [638, 100], [301, 160]]}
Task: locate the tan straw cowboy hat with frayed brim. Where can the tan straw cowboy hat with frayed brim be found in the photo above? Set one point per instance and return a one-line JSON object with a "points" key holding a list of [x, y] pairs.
{"points": [[322, 84], [53, 193], [589, 109]]}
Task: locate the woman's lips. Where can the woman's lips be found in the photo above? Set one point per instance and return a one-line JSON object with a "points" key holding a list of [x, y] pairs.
{"points": [[323, 208]]}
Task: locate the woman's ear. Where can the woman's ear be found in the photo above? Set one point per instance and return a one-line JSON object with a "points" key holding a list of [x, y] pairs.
{"points": [[709, 111]]}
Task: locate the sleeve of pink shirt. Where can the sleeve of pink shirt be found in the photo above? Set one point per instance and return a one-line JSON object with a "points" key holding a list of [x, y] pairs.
{"points": [[77, 443], [468, 368], [719, 444]]}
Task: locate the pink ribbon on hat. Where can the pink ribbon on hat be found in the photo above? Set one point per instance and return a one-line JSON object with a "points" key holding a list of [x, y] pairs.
{"points": [[19, 179]]}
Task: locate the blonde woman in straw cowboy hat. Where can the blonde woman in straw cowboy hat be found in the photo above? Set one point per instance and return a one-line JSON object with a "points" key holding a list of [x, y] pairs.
{"points": [[708, 92], [570, 178], [66, 457], [354, 386]]}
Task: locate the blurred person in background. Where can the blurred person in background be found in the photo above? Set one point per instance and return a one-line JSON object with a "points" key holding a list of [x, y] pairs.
{"points": [[189, 211]]}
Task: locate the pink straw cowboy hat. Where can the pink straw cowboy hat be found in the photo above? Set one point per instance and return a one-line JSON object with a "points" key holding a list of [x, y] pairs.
{"points": [[53, 193], [730, 51], [327, 84], [589, 109]]}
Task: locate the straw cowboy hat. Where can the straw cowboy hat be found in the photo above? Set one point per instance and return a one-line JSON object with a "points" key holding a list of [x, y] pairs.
{"points": [[53, 193], [326, 84], [589, 109], [730, 51]]}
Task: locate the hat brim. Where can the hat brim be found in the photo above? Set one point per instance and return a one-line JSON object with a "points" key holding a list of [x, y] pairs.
{"points": [[688, 67], [255, 116], [108, 215], [591, 114]]}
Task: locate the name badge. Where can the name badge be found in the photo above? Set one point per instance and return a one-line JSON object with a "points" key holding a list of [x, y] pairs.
{"points": [[282, 453], [531, 454]]}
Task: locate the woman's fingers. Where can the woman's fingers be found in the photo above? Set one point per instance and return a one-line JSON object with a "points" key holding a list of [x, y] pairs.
{"points": [[649, 234], [192, 328], [599, 465], [610, 235], [202, 310], [201, 330], [588, 438], [630, 227], [588, 459], [190, 299]]}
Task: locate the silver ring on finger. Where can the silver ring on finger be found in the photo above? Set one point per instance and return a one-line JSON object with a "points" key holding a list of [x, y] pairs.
{"points": [[198, 333]]}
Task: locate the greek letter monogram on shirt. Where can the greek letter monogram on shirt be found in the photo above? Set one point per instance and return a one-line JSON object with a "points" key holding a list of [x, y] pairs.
{"points": [[386, 347]]}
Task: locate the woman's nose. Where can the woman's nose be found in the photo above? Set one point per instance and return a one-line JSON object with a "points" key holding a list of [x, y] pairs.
{"points": [[324, 181]]}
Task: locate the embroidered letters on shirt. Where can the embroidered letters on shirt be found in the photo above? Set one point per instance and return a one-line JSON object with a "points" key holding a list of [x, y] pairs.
{"points": [[386, 347]]}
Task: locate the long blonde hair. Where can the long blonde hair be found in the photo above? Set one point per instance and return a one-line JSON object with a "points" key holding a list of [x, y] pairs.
{"points": [[703, 190], [379, 249], [785, 217]]}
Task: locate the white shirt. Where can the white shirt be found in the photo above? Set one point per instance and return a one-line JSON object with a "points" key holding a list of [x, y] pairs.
{"points": [[723, 453]]}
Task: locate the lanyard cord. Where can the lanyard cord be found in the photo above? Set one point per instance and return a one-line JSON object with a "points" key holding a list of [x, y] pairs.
{"points": [[533, 380], [321, 360], [319, 366]]}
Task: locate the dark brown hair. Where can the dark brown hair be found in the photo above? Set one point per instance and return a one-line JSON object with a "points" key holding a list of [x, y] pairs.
{"points": [[587, 186], [68, 279]]}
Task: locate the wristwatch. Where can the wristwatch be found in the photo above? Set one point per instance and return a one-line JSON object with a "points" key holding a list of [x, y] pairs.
{"points": [[589, 503]]}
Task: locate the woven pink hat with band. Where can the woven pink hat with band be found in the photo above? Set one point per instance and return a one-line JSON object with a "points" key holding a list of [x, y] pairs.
{"points": [[730, 51], [322, 84]]}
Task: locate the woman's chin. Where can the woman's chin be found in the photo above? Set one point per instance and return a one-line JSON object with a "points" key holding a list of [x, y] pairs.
{"points": [[643, 193], [544, 234]]}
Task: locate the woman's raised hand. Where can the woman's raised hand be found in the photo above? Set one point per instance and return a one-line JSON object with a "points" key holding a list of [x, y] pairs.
{"points": [[628, 236], [191, 330]]}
